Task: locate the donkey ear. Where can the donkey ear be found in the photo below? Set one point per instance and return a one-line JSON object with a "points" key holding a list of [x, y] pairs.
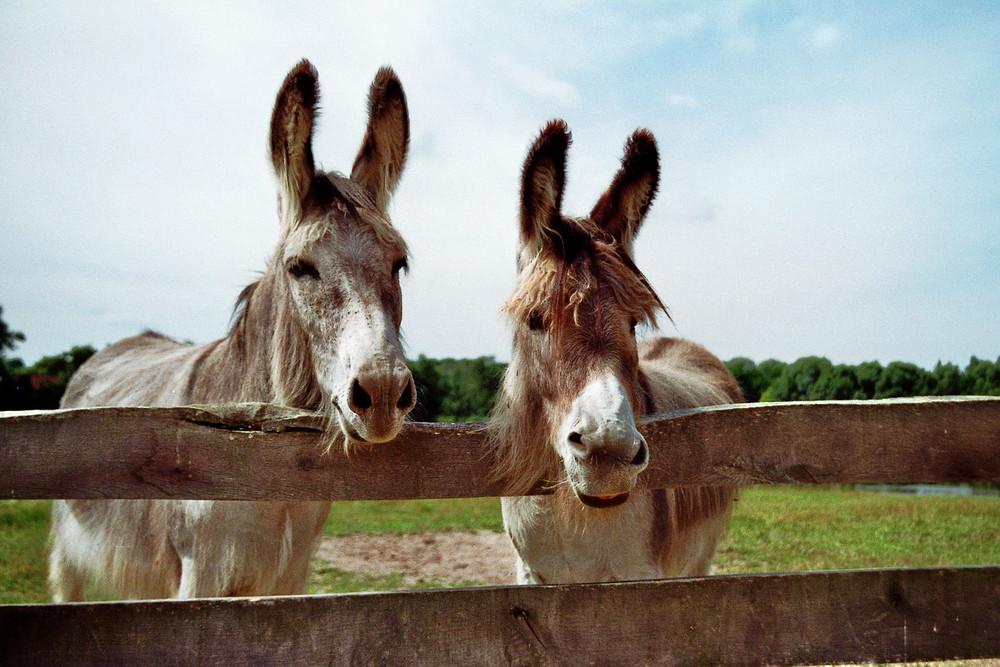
{"points": [[624, 205], [291, 136], [543, 178], [382, 156]]}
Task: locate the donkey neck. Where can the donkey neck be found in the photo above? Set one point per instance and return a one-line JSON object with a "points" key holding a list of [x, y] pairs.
{"points": [[267, 355]]}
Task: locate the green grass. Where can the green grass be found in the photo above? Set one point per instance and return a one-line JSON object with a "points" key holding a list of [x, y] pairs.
{"points": [[23, 534], [782, 529], [774, 529], [403, 517]]}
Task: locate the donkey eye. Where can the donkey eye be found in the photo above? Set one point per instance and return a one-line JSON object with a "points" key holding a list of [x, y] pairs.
{"points": [[632, 325], [536, 322], [301, 268], [399, 265]]}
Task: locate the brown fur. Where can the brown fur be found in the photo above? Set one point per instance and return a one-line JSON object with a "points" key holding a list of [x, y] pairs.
{"points": [[379, 162], [560, 293], [578, 299]]}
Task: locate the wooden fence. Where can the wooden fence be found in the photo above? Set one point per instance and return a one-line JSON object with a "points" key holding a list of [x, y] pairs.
{"points": [[222, 452]]}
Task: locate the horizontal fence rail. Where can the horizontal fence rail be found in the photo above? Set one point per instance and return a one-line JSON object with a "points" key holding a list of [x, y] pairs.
{"points": [[257, 451], [823, 617]]}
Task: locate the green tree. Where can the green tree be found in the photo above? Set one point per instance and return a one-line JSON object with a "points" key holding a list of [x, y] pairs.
{"points": [[430, 389], [815, 378], [770, 370], [63, 365], [948, 380], [455, 389], [747, 376], [472, 387], [900, 378], [8, 337], [867, 375], [9, 368], [982, 377], [796, 379], [41, 385], [754, 378], [838, 383]]}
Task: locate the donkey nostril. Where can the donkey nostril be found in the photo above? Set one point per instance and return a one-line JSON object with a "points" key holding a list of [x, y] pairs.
{"points": [[576, 438], [641, 456], [406, 399], [360, 400]]}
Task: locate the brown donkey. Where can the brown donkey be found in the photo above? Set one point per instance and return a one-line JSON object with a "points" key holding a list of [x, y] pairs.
{"points": [[577, 380], [319, 330]]}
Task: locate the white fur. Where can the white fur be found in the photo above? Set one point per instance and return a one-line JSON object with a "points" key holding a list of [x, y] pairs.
{"points": [[600, 424]]}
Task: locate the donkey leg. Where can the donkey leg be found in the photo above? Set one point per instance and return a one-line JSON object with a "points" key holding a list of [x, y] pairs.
{"points": [[194, 583], [66, 581], [525, 575]]}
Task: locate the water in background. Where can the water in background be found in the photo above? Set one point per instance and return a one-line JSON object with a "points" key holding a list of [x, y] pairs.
{"points": [[932, 489]]}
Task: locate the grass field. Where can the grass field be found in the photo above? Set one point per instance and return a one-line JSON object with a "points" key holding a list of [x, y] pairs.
{"points": [[782, 529], [402, 517], [774, 529]]}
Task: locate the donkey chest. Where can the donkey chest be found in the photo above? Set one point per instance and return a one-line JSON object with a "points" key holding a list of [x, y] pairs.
{"points": [[563, 544], [246, 535]]}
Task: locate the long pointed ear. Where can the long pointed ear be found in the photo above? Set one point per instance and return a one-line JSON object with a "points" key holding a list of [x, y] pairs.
{"points": [[291, 137], [382, 156], [543, 178], [624, 205]]}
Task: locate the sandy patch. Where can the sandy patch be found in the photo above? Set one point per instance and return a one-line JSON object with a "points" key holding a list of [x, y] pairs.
{"points": [[483, 557]]}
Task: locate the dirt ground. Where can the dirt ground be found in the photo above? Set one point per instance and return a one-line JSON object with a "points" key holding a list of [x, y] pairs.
{"points": [[482, 557]]}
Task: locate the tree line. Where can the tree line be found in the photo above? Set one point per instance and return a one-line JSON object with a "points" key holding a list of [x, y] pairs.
{"points": [[455, 389], [817, 378], [40, 385], [464, 389]]}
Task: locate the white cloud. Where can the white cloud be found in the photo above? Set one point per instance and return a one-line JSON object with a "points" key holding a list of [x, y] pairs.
{"points": [[686, 207], [549, 89], [825, 37], [816, 35], [682, 101], [137, 191]]}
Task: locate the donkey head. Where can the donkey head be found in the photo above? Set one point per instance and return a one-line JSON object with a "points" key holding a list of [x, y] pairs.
{"points": [[575, 310], [339, 257]]}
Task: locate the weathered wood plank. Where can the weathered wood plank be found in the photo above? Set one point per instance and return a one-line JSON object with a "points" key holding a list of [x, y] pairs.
{"points": [[234, 452], [888, 441], [826, 617], [255, 452]]}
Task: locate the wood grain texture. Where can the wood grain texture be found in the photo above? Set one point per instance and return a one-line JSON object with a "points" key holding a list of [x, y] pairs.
{"points": [[887, 441], [231, 452], [824, 617], [255, 451]]}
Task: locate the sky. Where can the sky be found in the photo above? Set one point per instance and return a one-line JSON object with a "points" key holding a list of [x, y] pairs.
{"points": [[830, 171]]}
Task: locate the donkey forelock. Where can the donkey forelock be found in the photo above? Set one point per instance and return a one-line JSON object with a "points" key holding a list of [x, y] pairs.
{"points": [[334, 199], [558, 279]]}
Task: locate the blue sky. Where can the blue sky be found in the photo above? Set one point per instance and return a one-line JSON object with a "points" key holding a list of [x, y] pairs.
{"points": [[830, 171]]}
